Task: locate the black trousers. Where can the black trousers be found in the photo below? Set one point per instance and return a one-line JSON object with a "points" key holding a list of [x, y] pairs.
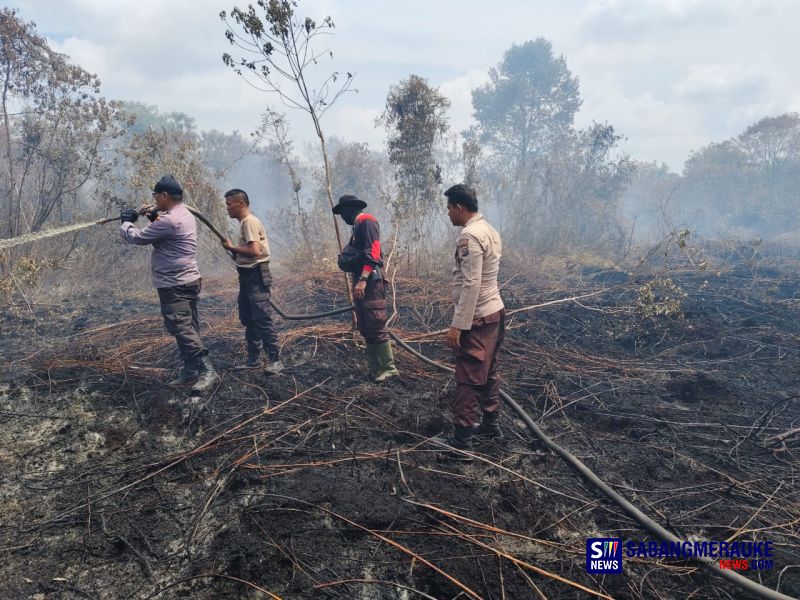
{"points": [[179, 309], [255, 314]]}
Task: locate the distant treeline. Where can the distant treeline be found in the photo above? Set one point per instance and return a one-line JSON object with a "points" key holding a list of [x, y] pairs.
{"points": [[745, 187], [67, 153]]}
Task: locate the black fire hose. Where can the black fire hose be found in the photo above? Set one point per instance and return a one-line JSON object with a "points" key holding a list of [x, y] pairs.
{"points": [[288, 317], [330, 313], [646, 522], [637, 515]]}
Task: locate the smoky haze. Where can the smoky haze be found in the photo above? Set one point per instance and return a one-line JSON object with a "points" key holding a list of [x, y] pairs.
{"points": [[745, 187], [552, 183]]}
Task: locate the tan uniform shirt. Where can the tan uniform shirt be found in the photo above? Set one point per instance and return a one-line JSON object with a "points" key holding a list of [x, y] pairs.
{"points": [[252, 231], [475, 290]]}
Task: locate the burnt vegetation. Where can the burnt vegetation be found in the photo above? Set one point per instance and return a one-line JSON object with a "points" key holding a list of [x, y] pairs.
{"points": [[653, 332]]}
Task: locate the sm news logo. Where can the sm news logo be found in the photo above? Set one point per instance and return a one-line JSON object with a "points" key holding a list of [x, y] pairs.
{"points": [[603, 555]]}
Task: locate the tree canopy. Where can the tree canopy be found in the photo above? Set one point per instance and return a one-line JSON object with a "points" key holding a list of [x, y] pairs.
{"points": [[531, 98]]}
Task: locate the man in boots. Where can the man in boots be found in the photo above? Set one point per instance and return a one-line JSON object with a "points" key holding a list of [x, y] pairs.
{"points": [[255, 283], [173, 264], [363, 258], [478, 325]]}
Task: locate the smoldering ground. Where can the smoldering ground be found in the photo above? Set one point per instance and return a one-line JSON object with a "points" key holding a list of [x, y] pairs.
{"points": [[319, 484]]}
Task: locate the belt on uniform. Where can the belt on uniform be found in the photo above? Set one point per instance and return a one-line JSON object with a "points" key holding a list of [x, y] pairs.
{"points": [[253, 268]]}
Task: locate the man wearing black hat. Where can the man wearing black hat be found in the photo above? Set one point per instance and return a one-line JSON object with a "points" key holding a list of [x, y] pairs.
{"points": [[363, 258], [173, 264]]}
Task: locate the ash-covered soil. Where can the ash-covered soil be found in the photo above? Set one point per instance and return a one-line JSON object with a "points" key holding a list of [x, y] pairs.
{"points": [[318, 484]]}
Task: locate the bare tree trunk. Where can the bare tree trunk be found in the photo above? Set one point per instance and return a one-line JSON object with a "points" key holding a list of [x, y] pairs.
{"points": [[289, 36], [329, 184], [11, 180], [329, 190], [300, 78]]}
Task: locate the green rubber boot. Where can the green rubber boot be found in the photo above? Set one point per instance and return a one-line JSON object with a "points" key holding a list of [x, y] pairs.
{"points": [[373, 363], [384, 362]]}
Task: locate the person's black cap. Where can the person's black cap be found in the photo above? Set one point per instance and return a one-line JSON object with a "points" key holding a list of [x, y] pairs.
{"points": [[348, 201], [168, 184]]}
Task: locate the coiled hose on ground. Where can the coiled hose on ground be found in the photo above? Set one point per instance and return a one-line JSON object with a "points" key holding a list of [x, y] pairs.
{"points": [[646, 522]]}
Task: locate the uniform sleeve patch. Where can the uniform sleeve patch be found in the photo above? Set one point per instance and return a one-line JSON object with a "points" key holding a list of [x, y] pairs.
{"points": [[463, 247]]}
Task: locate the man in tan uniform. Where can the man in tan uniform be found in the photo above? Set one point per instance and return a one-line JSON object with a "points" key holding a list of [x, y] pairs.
{"points": [[255, 283], [478, 325]]}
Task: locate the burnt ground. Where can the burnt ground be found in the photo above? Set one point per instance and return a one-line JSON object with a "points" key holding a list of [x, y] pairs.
{"points": [[317, 484]]}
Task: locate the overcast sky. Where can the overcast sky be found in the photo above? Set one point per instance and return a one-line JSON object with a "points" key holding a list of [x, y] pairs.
{"points": [[671, 75]]}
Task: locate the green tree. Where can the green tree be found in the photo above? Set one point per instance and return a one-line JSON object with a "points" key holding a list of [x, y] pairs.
{"points": [[556, 187], [749, 183], [713, 193], [771, 150], [575, 190], [415, 119], [153, 153], [648, 202], [530, 100], [221, 152], [471, 156], [55, 127], [299, 223], [524, 114], [147, 116]]}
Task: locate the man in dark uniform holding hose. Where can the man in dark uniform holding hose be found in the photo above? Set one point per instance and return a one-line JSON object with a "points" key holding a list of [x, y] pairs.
{"points": [[173, 263]]}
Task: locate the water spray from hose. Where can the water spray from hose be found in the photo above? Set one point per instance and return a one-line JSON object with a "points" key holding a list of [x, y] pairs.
{"points": [[48, 233]]}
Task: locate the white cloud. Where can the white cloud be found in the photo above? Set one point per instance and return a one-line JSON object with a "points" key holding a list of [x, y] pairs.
{"points": [[604, 18], [663, 131], [88, 54], [356, 123], [672, 75], [703, 83], [459, 92]]}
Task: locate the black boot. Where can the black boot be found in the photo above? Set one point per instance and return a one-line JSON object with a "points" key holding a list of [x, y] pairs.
{"points": [[274, 364], [187, 374], [488, 430], [459, 443], [253, 360], [207, 376]]}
